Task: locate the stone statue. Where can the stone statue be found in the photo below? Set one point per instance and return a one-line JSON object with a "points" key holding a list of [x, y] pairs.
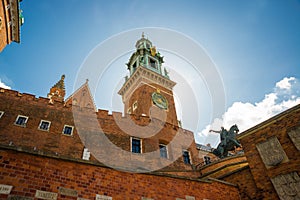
{"points": [[228, 141]]}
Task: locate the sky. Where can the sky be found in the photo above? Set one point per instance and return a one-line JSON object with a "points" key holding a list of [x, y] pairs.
{"points": [[253, 44]]}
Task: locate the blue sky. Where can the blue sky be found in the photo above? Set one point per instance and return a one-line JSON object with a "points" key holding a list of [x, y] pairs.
{"points": [[254, 44]]}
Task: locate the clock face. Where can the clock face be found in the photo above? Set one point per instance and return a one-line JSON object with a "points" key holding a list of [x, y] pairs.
{"points": [[159, 100]]}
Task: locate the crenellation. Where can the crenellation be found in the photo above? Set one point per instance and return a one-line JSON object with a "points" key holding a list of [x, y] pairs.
{"points": [[28, 97], [102, 113], [42, 100]]}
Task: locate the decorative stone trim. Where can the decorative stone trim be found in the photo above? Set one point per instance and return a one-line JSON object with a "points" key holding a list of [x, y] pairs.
{"points": [[5, 189], [145, 74], [68, 192], [287, 186], [103, 197], [45, 195], [295, 137], [271, 152]]}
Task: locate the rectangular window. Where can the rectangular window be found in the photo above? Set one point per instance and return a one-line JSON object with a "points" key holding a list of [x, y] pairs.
{"points": [[1, 114], [21, 120], [207, 160], [68, 130], [136, 145], [163, 151], [186, 157], [134, 66], [44, 125], [152, 63]]}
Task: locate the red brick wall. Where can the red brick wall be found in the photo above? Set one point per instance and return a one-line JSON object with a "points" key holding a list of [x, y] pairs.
{"points": [[3, 26], [55, 143], [28, 173], [278, 126], [145, 105], [246, 184]]}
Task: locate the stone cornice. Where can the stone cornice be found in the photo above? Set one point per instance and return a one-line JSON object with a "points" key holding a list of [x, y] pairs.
{"points": [[147, 76]]}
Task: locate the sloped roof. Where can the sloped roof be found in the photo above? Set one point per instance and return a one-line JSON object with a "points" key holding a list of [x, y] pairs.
{"points": [[82, 97]]}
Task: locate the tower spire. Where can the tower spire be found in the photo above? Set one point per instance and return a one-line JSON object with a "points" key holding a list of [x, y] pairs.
{"points": [[60, 84], [57, 92], [147, 90]]}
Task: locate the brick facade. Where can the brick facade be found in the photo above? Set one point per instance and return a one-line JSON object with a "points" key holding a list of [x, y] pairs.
{"points": [[280, 156], [59, 114], [48, 162], [252, 178], [142, 96], [37, 162], [9, 22], [3, 28], [28, 173]]}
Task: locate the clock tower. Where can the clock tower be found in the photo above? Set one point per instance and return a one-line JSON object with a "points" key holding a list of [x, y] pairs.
{"points": [[148, 91]]}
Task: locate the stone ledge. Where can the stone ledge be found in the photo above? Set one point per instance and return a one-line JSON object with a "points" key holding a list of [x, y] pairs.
{"points": [[223, 167]]}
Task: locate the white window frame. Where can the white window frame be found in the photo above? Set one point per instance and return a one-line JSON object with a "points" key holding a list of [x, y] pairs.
{"points": [[63, 132], [141, 144], [22, 125], [166, 150], [1, 114], [41, 124], [190, 158]]}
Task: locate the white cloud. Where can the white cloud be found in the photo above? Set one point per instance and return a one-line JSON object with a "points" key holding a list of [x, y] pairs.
{"points": [[2, 85], [246, 115], [285, 83]]}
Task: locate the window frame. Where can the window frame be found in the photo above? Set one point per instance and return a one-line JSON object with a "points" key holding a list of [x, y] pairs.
{"points": [[189, 157], [207, 160], [69, 126], [141, 145], [166, 151], [48, 128], [24, 124], [1, 114], [155, 62]]}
